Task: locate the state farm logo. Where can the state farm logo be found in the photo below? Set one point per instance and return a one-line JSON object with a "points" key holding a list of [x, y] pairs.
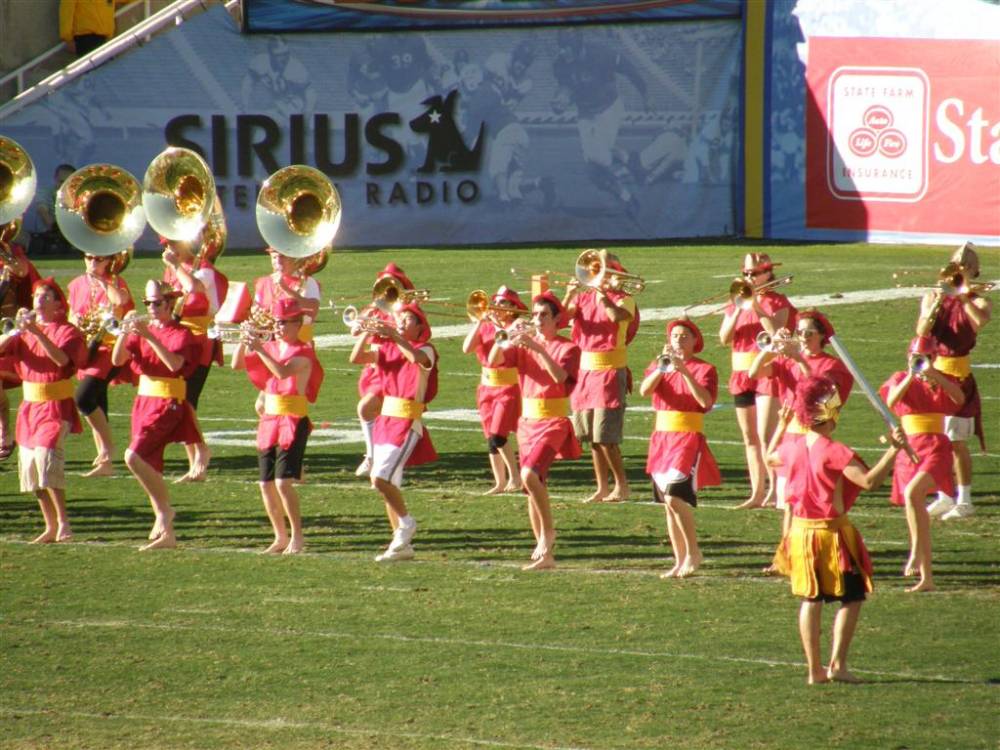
{"points": [[877, 134]]}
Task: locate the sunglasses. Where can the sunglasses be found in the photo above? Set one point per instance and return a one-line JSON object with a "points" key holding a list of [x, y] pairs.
{"points": [[153, 302]]}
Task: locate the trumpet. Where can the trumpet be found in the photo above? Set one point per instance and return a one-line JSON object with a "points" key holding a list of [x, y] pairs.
{"points": [[8, 329], [777, 343], [667, 363], [364, 320], [742, 292], [507, 337], [952, 281], [592, 271], [298, 211], [238, 333], [919, 363], [117, 327], [389, 295]]}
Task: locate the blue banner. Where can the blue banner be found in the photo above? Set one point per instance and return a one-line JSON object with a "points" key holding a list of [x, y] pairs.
{"points": [[520, 135], [347, 15]]}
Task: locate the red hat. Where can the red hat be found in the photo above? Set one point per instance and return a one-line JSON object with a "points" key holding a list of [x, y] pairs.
{"points": [[397, 273], [506, 294], [414, 308], [821, 321], [922, 345], [699, 341], [553, 300], [758, 262], [50, 283], [287, 309]]}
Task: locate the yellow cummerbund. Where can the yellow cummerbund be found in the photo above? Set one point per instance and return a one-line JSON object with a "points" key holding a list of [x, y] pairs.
{"points": [[499, 376], [917, 424], [55, 391], [795, 427], [175, 388], [285, 406], [679, 421], [198, 325], [957, 367], [403, 408], [306, 333], [613, 360], [743, 360], [827, 524], [544, 408]]}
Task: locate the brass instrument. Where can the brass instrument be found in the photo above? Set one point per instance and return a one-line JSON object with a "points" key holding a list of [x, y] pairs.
{"points": [[918, 363], [667, 363], [478, 306], [742, 292], [99, 209], [952, 281], [8, 328], [8, 233], [94, 323], [313, 264], [238, 333], [261, 319], [18, 180], [592, 271], [178, 194], [506, 337], [388, 294], [116, 327], [298, 211], [363, 320]]}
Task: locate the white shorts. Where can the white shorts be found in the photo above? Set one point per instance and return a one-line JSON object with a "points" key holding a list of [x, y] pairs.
{"points": [[388, 460], [41, 468], [959, 429]]}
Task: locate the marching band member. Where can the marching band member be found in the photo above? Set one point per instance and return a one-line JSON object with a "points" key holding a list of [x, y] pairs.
{"points": [[93, 295], [547, 366], [755, 400], [406, 365], [17, 278], [46, 352], [824, 555], [498, 396], [922, 396], [161, 352], [369, 387], [683, 388], [954, 321], [289, 376], [203, 288], [604, 322], [287, 281]]}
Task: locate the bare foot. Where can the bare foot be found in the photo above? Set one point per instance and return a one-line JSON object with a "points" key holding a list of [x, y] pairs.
{"points": [[842, 675], [103, 469], [923, 585], [166, 540], [277, 547], [193, 475], [156, 530], [910, 569], [546, 562], [691, 564], [672, 573], [818, 679], [46, 537], [537, 552], [64, 533], [597, 497], [294, 547], [159, 523], [496, 489], [615, 497], [514, 487], [750, 504]]}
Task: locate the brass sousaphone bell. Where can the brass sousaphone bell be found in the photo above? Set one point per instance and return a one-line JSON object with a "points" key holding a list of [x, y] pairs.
{"points": [[99, 209], [18, 180], [178, 194], [298, 211]]}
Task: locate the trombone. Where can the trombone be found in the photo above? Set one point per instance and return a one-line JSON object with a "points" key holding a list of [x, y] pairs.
{"points": [[389, 295], [952, 281], [478, 306], [592, 271]]}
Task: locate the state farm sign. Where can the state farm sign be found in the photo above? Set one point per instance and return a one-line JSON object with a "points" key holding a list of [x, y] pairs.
{"points": [[903, 135]]}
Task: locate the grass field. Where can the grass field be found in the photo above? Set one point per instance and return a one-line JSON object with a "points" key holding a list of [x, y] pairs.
{"points": [[214, 646]]}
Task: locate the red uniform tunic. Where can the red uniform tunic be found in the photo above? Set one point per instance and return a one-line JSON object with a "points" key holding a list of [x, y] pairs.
{"points": [[744, 344], [932, 448], [593, 332], [279, 429], [683, 450], [543, 440], [199, 308], [370, 382], [822, 545], [156, 420], [403, 379], [956, 338], [267, 294], [39, 423], [86, 294], [499, 405], [18, 295]]}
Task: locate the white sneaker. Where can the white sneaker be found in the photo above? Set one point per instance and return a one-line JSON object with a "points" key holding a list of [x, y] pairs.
{"points": [[940, 506], [391, 555], [403, 535], [963, 510], [364, 468]]}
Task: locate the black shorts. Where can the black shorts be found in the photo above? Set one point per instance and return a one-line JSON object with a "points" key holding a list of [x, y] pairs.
{"points": [[681, 490], [278, 463], [745, 399], [854, 591]]}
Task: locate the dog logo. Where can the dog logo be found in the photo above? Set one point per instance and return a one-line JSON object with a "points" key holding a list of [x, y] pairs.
{"points": [[446, 150], [877, 138]]}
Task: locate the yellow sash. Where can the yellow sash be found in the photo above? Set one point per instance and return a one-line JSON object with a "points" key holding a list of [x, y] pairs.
{"points": [[917, 424], [198, 324], [306, 333], [285, 406], [174, 388], [743, 360], [499, 376], [613, 360], [56, 391], [544, 408], [403, 408], [679, 421], [795, 427], [957, 367]]}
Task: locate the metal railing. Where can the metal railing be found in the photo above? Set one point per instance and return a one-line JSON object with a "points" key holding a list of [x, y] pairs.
{"points": [[172, 15]]}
